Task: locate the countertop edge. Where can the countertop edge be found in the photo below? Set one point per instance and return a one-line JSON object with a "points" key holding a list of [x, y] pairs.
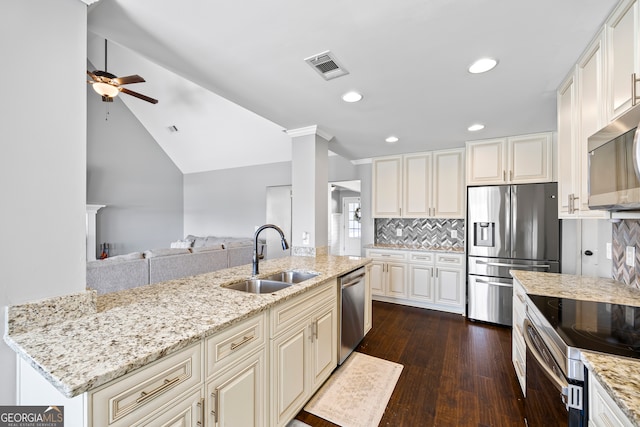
{"points": [[71, 389]]}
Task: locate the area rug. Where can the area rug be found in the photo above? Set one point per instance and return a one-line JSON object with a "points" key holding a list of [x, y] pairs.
{"points": [[357, 393]]}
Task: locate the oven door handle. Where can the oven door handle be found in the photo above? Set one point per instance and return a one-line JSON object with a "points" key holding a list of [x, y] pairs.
{"points": [[560, 383]]}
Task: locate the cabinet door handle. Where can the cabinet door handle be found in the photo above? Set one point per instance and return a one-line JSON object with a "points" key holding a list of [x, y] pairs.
{"points": [[202, 413], [504, 175], [245, 340], [167, 384], [510, 175], [436, 273], [214, 411], [633, 89]]}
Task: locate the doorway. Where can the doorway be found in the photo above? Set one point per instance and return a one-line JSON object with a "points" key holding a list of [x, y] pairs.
{"points": [[345, 235]]}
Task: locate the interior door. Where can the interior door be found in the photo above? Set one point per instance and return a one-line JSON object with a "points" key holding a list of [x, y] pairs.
{"points": [[352, 229]]}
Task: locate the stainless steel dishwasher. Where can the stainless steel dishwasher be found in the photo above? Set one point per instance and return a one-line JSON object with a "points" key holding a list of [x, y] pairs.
{"points": [[352, 300]]}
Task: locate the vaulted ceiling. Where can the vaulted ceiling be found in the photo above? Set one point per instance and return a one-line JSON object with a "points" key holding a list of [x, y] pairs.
{"points": [[231, 76]]}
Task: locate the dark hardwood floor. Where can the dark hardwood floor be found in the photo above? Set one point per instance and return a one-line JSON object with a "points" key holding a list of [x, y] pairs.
{"points": [[456, 372]]}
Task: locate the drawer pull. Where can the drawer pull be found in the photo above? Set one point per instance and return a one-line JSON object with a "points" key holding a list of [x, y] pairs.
{"points": [[245, 340], [421, 257], [167, 384], [521, 298], [449, 259]]}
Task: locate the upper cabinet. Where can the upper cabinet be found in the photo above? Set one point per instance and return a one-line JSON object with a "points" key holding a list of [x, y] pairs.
{"points": [[596, 91], [513, 160], [621, 56], [387, 187], [419, 185]]}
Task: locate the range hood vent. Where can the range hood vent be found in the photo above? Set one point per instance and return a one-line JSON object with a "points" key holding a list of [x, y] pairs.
{"points": [[326, 65]]}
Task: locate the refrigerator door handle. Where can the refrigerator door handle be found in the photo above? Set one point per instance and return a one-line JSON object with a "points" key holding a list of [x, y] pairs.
{"points": [[489, 282], [504, 264]]}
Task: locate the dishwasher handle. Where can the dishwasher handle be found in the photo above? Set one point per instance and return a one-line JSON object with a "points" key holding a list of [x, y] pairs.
{"points": [[353, 282]]}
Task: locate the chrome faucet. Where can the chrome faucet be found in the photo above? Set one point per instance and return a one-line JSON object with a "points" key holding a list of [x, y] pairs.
{"points": [[256, 256]]}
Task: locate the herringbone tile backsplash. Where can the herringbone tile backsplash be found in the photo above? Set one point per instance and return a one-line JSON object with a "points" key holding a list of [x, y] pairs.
{"points": [[420, 232], [626, 233]]}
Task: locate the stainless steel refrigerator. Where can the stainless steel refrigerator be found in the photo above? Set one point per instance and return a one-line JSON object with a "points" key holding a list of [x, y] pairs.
{"points": [[509, 227]]}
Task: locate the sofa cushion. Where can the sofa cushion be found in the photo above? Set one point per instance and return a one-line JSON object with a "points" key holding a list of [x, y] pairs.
{"points": [[186, 243], [165, 252], [206, 249], [125, 257]]}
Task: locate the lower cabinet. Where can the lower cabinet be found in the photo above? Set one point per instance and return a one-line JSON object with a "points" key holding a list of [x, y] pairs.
{"points": [[236, 396], [433, 280], [304, 350], [518, 346], [256, 373], [603, 411]]}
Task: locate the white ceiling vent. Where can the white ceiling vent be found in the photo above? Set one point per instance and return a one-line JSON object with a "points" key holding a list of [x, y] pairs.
{"points": [[326, 65]]}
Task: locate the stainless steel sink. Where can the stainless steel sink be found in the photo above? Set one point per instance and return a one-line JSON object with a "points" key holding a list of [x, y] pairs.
{"points": [[272, 283], [291, 276], [259, 286]]}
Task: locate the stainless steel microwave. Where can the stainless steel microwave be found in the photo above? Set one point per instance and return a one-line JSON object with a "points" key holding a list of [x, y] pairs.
{"points": [[614, 164]]}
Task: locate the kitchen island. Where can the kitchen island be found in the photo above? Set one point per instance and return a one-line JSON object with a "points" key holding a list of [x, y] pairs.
{"points": [[81, 342], [616, 375]]}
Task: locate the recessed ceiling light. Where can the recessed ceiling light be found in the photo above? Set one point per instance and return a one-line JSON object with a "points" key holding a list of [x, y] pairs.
{"points": [[482, 65], [351, 97], [392, 139], [475, 127]]}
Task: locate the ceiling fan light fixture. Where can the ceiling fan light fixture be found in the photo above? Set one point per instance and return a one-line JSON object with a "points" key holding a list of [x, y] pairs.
{"points": [[483, 65], [105, 89]]}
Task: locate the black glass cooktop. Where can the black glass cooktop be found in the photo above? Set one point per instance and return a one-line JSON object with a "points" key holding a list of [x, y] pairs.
{"points": [[597, 326]]}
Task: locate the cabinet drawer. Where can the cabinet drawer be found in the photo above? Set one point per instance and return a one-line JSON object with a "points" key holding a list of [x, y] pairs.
{"points": [[387, 255], [236, 341], [137, 394], [421, 257], [288, 313], [449, 259]]}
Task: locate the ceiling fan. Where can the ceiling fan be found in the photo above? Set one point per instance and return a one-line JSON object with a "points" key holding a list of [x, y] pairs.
{"points": [[109, 86]]}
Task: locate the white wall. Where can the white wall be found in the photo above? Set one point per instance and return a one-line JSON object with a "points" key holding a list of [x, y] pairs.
{"points": [[132, 175], [232, 202], [43, 156]]}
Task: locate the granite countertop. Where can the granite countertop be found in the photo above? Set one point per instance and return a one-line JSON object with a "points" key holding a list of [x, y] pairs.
{"points": [[79, 342], [618, 375], [410, 247]]}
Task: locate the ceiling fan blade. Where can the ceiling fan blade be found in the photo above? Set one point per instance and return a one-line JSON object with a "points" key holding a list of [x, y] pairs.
{"points": [[128, 79], [138, 95], [93, 76]]}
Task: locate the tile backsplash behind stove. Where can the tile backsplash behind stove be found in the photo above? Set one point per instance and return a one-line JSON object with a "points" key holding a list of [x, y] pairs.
{"points": [[420, 232], [626, 233]]}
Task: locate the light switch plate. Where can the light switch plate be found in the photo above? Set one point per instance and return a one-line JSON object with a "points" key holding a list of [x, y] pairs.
{"points": [[630, 256], [454, 234], [399, 232], [608, 251]]}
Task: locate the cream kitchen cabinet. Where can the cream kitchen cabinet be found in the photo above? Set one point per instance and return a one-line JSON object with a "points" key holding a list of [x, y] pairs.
{"points": [[581, 110], [368, 314], [387, 187], [304, 349], [512, 160], [419, 185], [388, 273], [434, 280], [450, 282], [622, 56], [518, 346], [603, 411], [236, 386]]}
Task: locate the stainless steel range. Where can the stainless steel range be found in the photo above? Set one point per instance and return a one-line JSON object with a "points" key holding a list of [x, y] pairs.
{"points": [[556, 330]]}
